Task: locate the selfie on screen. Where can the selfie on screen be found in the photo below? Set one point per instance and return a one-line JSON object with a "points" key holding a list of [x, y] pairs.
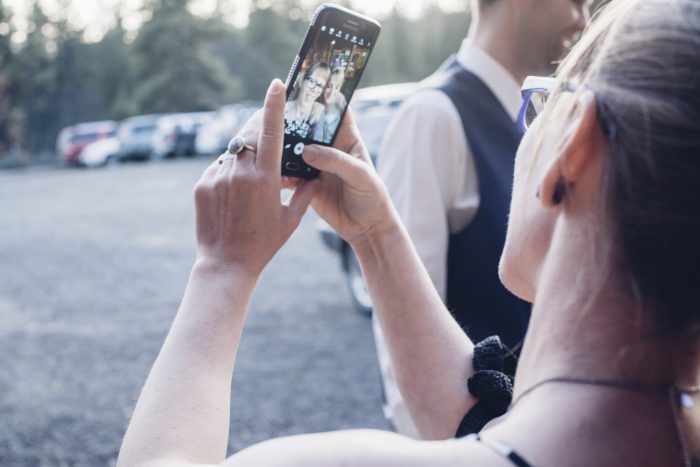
{"points": [[325, 82]]}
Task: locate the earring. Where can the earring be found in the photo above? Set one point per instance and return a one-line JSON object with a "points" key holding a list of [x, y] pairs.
{"points": [[559, 191], [537, 195]]}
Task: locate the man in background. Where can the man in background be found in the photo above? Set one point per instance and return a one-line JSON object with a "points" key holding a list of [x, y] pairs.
{"points": [[448, 158]]}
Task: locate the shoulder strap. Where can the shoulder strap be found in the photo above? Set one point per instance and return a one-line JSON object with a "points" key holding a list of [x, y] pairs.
{"points": [[501, 448]]}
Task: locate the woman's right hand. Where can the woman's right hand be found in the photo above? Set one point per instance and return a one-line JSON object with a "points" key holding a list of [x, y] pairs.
{"points": [[351, 196]]}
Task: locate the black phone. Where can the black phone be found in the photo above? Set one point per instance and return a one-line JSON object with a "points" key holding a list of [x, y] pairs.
{"points": [[323, 78]]}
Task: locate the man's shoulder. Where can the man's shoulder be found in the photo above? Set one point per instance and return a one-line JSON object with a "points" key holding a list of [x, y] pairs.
{"points": [[429, 103], [436, 91]]}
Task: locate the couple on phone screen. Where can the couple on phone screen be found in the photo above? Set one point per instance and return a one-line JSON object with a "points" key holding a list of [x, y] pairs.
{"points": [[316, 104]]}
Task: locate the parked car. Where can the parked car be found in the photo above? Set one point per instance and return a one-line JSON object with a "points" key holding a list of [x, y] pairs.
{"points": [[136, 136], [100, 153], [213, 137], [373, 109], [175, 134], [389, 95], [73, 139]]}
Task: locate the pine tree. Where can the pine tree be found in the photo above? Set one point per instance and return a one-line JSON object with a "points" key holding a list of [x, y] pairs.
{"points": [[176, 70], [35, 91], [6, 105]]}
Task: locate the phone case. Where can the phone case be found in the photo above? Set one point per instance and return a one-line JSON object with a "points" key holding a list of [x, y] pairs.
{"points": [[317, 121]]}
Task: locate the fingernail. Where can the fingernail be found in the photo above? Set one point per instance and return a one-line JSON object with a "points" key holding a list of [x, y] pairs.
{"points": [[276, 86]]}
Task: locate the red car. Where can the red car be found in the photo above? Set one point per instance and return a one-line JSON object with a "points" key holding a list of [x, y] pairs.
{"points": [[73, 139]]}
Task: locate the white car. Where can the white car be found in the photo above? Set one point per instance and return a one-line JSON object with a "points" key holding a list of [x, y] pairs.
{"points": [[100, 153], [136, 135], [175, 134], [213, 137]]}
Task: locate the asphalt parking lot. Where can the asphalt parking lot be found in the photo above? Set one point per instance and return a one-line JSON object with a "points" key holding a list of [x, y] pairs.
{"points": [[93, 265]]}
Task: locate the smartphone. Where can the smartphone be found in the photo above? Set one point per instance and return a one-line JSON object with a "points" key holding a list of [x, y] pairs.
{"points": [[322, 80]]}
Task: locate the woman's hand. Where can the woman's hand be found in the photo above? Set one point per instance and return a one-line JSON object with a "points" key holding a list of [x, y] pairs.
{"points": [[241, 222], [351, 198]]}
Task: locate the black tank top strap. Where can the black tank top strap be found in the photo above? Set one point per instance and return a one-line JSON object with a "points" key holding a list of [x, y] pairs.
{"points": [[501, 448]]}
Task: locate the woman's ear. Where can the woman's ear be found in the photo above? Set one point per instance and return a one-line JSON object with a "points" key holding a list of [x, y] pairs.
{"points": [[580, 146]]}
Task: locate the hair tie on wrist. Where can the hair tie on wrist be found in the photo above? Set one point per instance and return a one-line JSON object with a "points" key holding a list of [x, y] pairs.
{"points": [[489, 383]]}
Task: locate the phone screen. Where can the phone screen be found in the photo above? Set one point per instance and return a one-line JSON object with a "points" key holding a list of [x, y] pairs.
{"points": [[325, 78]]}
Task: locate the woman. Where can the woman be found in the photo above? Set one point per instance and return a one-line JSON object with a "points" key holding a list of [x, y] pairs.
{"points": [[302, 111], [335, 103], [602, 238]]}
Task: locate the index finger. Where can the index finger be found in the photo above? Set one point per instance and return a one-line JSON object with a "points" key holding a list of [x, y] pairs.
{"points": [[271, 137]]}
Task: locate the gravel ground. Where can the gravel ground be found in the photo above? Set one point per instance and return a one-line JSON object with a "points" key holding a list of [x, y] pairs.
{"points": [[92, 268]]}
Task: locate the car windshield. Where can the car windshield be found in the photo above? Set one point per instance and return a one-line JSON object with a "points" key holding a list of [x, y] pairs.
{"points": [[142, 129], [84, 138]]}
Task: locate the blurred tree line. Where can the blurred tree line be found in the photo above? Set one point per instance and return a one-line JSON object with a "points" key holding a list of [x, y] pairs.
{"points": [[178, 62]]}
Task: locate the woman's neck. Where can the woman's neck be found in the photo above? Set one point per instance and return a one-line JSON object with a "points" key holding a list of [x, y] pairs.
{"points": [[586, 324], [303, 110]]}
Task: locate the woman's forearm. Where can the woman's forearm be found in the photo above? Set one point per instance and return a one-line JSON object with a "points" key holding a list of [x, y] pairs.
{"points": [[183, 410], [430, 353]]}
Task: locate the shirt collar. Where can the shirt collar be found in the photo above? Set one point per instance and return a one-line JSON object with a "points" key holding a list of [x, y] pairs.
{"points": [[493, 74]]}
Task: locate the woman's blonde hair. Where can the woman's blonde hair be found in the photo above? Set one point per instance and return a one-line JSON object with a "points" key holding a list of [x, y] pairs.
{"points": [[641, 58], [337, 73]]}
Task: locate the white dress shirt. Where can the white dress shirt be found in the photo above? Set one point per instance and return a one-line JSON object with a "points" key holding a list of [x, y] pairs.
{"points": [[427, 164], [429, 170]]}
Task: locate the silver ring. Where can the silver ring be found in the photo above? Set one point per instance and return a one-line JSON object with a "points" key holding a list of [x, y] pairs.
{"points": [[237, 144]]}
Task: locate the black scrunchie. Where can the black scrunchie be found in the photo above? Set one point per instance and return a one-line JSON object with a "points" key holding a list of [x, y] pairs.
{"points": [[490, 384]]}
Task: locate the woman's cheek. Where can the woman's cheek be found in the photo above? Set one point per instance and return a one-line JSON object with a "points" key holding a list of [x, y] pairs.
{"points": [[517, 266]]}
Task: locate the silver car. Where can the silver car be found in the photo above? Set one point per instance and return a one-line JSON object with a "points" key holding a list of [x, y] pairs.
{"points": [[136, 136], [175, 134], [213, 137]]}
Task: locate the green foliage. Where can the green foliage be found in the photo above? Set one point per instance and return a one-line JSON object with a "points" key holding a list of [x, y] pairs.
{"points": [[409, 50], [7, 108], [116, 75], [176, 69], [35, 94]]}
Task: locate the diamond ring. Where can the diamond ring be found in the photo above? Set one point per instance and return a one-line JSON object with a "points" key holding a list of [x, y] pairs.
{"points": [[235, 146]]}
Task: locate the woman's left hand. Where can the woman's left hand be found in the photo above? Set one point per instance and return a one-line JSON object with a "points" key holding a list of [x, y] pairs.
{"points": [[241, 221]]}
